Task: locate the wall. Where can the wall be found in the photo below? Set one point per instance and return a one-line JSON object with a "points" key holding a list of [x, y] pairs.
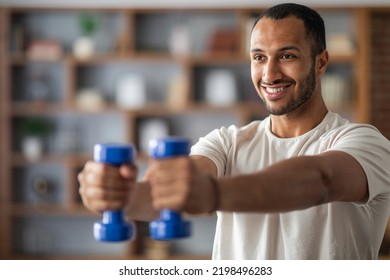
{"points": [[380, 83], [194, 3]]}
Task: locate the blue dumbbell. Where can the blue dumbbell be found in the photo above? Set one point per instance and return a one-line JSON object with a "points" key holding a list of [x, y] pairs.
{"points": [[170, 225], [113, 226]]}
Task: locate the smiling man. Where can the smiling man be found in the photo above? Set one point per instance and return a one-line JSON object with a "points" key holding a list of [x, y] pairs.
{"points": [[304, 183]]}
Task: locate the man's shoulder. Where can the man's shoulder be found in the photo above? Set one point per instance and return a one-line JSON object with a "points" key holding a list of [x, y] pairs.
{"points": [[338, 124], [249, 130], [340, 130]]}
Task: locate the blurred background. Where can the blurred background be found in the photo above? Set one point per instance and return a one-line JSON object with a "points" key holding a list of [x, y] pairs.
{"points": [[73, 74]]}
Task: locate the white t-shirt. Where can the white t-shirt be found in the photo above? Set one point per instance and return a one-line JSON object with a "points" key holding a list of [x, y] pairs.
{"points": [[337, 230]]}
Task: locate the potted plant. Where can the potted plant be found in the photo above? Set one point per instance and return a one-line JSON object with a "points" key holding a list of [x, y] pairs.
{"points": [[84, 47], [34, 131]]}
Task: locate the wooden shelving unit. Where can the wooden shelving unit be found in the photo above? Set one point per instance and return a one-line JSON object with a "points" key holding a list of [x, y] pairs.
{"points": [[136, 29]]}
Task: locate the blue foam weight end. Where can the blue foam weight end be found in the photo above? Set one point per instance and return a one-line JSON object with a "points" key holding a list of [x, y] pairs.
{"points": [[169, 147], [115, 154], [169, 226], [112, 232], [163, 230], [113, 227]]}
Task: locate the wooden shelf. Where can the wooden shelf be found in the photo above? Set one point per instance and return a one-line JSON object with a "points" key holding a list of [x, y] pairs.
{"points": [[145, 57], [343, 58], [156, 109], [37, 108], [24, 210], [163, 57], [19, 160]]}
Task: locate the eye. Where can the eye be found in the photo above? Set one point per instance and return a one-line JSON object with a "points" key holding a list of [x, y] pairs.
{"points": [[288, 56], [258, 57]]}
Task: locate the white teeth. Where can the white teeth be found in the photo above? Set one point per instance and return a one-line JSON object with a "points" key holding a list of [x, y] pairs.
{"points": [[275, 90]]}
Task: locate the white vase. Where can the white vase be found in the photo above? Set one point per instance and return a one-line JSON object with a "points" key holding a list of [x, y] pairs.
{"points": [[179, 41], [220, 88], [83, 48], [130, 91], [32, 147], [151, 129]]}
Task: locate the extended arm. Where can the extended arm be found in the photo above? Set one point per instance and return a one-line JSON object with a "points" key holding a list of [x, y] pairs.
{"points": [[184, 184], [293, 184], [297, 183]]}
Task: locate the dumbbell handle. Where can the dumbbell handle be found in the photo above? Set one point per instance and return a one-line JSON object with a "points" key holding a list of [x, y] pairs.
{"points": [[113, 226], [170, 225]]}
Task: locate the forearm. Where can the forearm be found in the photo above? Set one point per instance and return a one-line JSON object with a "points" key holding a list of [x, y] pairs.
{"points": [[185, 184], [293, 184], [140, 203]]}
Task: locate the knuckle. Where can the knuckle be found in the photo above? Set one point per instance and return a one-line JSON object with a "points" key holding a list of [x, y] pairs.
{"points": [[105, 205], [180, 203], [82, 190], [80, 176], [156, 204], [185, 162]]}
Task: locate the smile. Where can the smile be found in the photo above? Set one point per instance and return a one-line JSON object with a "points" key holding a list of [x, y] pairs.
{"points": [[274, 93], [275, 90]]}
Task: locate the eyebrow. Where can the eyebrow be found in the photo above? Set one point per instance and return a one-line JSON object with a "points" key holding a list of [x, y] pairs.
{"points": [[287, 48]]}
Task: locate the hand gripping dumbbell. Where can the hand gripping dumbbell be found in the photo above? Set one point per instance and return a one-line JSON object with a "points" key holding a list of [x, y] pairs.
{"points": [[113, 226], [170, 225]]}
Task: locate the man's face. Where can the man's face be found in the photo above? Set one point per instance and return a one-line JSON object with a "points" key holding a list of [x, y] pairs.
{"points": [[282, 67]]}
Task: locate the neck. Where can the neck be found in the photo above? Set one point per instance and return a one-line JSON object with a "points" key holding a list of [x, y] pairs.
{"points": [[299, 122]]}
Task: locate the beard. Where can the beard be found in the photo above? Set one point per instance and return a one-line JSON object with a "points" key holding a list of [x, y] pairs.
{"points": [[305, 93]]}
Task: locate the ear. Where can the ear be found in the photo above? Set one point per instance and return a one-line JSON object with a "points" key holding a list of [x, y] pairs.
{"points": [[322, 62]]}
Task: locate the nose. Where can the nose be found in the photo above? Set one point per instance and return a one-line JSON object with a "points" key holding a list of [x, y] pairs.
{"points": [[271, 72]]}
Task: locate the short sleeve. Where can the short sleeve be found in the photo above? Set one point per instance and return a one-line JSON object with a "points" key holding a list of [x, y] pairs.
{"points": [[372, 150], [215, 146]]}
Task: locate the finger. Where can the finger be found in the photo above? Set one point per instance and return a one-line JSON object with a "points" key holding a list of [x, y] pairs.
{"points": [[158, 191], [92, 188], [165, 176], [178, 189], [171, 202], [128, 171], [103, 179], [104, 205], [98, 199], [93, 192], [97, 167]]}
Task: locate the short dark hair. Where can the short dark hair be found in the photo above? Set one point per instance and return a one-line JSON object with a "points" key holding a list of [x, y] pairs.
{"points": [[313, 22]]}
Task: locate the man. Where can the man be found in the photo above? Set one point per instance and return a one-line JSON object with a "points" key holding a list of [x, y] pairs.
{"points": [[302, 184]]}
